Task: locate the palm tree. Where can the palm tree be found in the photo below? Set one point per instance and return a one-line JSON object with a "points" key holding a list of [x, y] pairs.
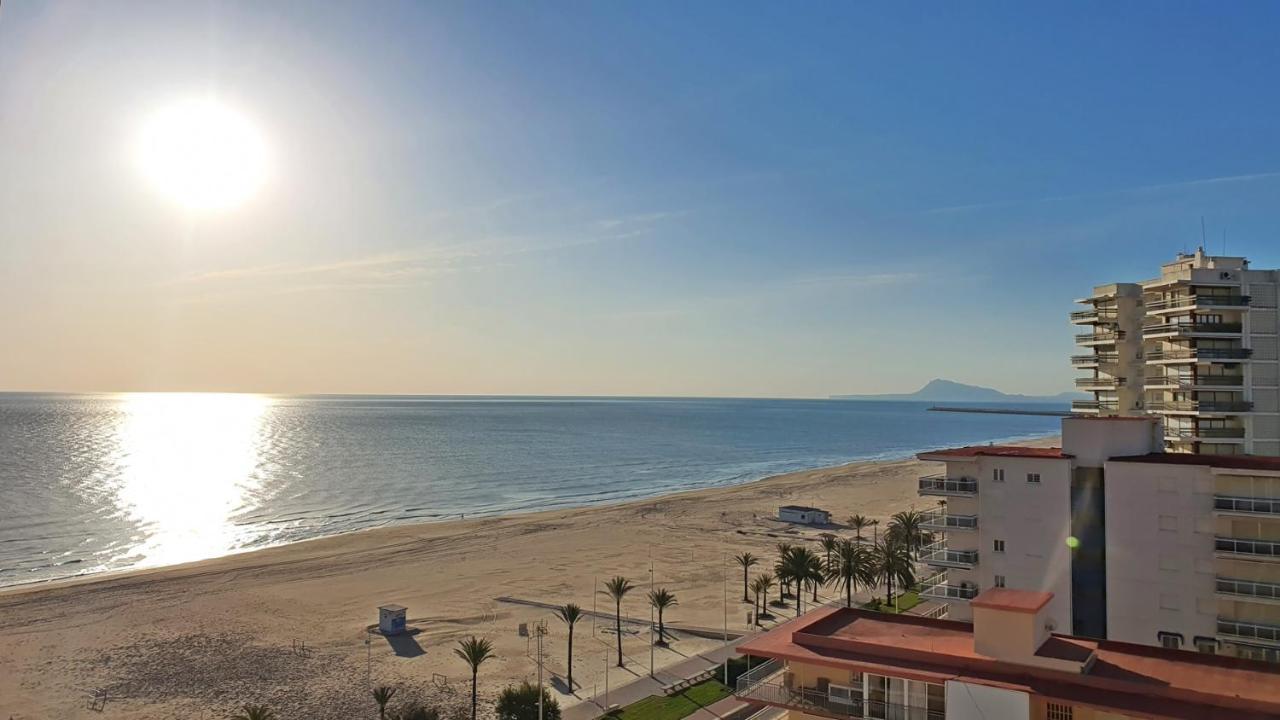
{"points": [[570, 614], [382, 695], [784, 581], [255, 712], [746, 560], [858, 523], [829, 545], [853, 568], [907, 526], [762, 585], [892, 564], [817, 572], [474, 651], [799, 565], [661, 599], [875, 530], [617, 588]]}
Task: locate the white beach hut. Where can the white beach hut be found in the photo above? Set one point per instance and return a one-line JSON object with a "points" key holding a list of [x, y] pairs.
{"points": [[391, 619], [804, 515]]}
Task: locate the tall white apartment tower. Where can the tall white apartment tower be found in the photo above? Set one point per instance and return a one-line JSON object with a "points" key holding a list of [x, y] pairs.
{"points": [[1196, 347]]}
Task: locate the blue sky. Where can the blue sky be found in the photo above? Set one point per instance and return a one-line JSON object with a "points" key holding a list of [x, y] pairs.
{"points": [[606, 198]]}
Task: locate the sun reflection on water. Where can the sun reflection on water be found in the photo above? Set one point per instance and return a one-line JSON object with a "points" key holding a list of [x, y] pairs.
{"points": [[187, 467]]}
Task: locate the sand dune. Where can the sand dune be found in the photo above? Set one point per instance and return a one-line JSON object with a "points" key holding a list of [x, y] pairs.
{"points": [[196, 640]]}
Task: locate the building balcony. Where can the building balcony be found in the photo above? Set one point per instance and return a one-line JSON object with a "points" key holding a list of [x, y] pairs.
{"points": [[773, 684], [1246, 505], [1256, 549], [942, 521], [1183, 435], [1190, 329], [1191, 302], [1200, 406], [1097, 315], [1110, 337], [939, 555], [1193, 381], [1094, 406], [1096, 359], [1199, 355], [1248, 631], [940, 485], [938, 587], [1264, 592], [1099, 383]]}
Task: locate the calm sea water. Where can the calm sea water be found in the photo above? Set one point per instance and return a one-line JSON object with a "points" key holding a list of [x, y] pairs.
{"points": [[99, 482]]}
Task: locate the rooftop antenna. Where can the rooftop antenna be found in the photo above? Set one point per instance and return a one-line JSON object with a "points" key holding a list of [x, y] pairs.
{"points": [[1202, 240]]}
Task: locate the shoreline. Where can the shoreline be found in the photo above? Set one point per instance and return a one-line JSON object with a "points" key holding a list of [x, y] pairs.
{"points": [[209, 635], [548, 506]]}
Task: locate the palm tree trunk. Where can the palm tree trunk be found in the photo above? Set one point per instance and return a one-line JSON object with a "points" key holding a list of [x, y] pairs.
{"points": [[662, 629], [570, 659], [799, 602], [473, 694], [617, 616], [815, 591], [744, 584], [848, 592]]}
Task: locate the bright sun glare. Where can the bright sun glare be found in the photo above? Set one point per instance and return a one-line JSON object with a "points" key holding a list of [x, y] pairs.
{"points": [[203, 154]]}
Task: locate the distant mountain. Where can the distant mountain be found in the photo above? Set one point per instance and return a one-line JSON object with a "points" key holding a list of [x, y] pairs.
{"points": [[948, 391]]}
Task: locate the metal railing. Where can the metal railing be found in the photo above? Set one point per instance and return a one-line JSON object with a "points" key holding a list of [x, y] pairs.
{"points": [[939, 554], [942, 520], [1191, 328], [1100, 337], [938, 587], [1263, 506], [1201, 354], [1248, 588], [1249, 631], [1201, 405], [1186, 381], [1085, 405], [1100, 315], [1101, 357], [1202, 300], [1237, 546], [812, 700], [938, 485], [1100, 383], [1217, 433]]}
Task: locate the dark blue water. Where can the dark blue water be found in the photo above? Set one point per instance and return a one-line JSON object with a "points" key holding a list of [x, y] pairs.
{"points": [[97, 482]]}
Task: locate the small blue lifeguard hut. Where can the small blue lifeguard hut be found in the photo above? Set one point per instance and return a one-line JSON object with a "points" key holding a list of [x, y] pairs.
{"points": [[391, 619]]}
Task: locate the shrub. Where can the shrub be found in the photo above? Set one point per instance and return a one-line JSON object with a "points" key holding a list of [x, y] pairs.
{"points": [[520, 702]]}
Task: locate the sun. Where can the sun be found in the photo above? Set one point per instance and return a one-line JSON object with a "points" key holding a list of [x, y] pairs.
{"points": [[202, 154]]}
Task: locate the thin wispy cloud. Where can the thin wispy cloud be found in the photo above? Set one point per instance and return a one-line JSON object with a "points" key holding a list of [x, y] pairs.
{"points": [[1140, 189]]}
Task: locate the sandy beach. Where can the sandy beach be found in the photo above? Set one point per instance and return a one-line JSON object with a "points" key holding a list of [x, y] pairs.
{"points": [[197, 640]]}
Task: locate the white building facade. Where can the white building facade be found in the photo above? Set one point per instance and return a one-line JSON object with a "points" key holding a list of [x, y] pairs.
{"points": [[1137, 545]]}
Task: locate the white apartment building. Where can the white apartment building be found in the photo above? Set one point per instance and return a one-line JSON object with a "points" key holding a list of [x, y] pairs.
{"points": [[1136, 545], [1196, 347]]}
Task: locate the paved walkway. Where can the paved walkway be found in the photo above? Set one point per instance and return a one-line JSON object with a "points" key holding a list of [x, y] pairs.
{"points": [[626, 693]]}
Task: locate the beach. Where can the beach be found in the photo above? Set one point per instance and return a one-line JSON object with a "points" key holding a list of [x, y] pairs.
{"points": [[287, 625]]}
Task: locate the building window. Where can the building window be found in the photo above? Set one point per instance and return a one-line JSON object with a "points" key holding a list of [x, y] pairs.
{"points": [[1057, 711], [1207, 645], [1033, 477], [999, 546], [1169, 641], [843, 695], [999, 581], [997, 475]]}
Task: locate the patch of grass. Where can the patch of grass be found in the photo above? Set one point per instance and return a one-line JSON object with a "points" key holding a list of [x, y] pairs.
{"points": [[906, 601], [675, 707]]}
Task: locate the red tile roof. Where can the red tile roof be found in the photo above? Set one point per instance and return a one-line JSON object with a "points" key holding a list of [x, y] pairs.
{"points": [[1134, 679], [998, 451], [1231, 462], [1027, 601]]}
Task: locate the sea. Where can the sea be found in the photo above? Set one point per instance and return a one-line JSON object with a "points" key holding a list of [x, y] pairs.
{"points": [[103, 482]]}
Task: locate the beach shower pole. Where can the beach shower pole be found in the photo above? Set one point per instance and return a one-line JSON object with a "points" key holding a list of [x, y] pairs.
{"points": [[724, 584], [650, 611]]}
